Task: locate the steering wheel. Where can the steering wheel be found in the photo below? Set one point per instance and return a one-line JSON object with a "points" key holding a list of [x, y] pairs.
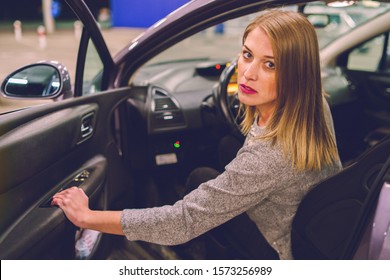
{"points": [[226, 99]]}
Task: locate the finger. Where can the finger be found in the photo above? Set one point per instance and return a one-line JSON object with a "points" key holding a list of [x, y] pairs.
{"points": [[53, 202], [56, 202], [56, 196], [66, 191], [59, 195], [61, 198]]}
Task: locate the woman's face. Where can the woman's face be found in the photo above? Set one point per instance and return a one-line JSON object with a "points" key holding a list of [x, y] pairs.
{"points": [[256, 73]]}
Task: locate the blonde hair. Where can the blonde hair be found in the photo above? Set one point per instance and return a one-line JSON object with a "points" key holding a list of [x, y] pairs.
{"points": [[298, 123]]}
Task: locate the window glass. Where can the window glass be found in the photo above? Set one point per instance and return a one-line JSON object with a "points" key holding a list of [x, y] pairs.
{"points": [[367, 56], [223, 41], [342, 19], [28, 48], [92, 78]]}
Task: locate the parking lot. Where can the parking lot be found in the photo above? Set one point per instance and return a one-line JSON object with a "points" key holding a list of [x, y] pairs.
{"points": [[62, 46]]}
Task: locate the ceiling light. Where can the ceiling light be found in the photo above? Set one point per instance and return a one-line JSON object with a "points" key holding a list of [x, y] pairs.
{"points": [[340, 4]]}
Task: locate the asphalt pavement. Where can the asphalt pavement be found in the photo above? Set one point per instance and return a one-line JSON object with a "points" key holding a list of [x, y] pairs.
{"points": [[19, 49], [62, 45]]}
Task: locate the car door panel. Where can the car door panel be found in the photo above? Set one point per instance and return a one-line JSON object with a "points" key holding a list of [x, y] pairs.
{"points": [[364, 117], [365, 68], [42, 151], [379, 86], [43, 222], [373, 87], [50, 136]]}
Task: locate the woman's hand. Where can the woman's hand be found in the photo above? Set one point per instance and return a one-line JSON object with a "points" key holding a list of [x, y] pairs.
{"points": [[74, 203]]}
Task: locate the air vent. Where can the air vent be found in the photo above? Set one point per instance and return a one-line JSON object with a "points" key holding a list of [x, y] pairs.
{"points": [[164, 104], [159, 93], [166, 111], [170, 119]]}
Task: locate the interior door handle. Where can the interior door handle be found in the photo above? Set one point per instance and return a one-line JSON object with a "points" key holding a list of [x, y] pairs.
{"points": [[87, 123]]}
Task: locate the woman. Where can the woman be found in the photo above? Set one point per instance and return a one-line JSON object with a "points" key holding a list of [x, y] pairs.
{"points": [[289, 146]]}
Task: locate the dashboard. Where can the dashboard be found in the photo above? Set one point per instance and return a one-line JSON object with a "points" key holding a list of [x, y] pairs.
{"points": [[175, 110], [179, 93], [172, 106]]}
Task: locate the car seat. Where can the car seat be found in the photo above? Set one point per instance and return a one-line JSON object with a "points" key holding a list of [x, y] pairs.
{"points": [[332, 218]]}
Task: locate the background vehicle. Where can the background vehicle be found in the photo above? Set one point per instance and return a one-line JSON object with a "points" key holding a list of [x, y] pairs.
{"points": [[135, 125]]}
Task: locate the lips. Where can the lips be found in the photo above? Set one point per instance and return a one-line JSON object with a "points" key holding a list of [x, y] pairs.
{"points": [[247, 90]]}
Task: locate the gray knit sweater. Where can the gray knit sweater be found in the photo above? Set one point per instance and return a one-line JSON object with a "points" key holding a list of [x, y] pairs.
{"points": [[260, 181]]}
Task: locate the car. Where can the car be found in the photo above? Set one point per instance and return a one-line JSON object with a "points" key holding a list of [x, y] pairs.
{"points": [[129, 128]]}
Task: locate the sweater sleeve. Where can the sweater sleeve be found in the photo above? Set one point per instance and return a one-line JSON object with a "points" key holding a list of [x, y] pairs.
{"points": [[248, 179]]}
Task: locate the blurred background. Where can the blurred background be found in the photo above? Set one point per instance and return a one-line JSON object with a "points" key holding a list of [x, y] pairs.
{"points": [[117, 13], [34, 30]]}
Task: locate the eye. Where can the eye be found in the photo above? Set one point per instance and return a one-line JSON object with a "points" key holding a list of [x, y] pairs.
{"points": [[246, 54], [270, 65]]}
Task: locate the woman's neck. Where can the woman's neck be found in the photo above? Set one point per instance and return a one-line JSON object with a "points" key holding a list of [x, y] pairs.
{"points": [[264, 115], [263, 119]]}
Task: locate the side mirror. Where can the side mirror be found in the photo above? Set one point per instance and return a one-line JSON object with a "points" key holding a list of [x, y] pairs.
{"points": [[319, 20], [47, 79]]}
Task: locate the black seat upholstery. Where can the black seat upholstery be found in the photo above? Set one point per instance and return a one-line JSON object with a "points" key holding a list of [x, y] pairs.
{"points": [[331, 218]]}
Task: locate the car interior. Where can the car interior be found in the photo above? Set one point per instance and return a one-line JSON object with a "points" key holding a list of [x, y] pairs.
{"points": [[334, 216], [134, 144], [359, 109]]}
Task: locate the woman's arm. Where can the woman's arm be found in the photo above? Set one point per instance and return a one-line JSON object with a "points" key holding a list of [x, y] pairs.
{"points": [[74, 203]]}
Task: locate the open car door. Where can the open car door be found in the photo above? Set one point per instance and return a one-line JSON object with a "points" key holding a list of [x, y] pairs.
{"points": [[66, 143], [371, 82]]}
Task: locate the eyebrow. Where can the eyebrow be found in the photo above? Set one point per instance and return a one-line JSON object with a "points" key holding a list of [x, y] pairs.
{"points": [[266, 56]]}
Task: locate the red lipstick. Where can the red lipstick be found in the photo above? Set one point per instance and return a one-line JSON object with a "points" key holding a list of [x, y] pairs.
{"points": [[247, 90]]}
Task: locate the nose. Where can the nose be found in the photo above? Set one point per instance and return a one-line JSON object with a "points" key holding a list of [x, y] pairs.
{"points": [[251, 71]]}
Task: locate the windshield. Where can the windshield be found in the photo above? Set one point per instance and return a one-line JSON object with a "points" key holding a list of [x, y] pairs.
{"points": [[226, 37]]}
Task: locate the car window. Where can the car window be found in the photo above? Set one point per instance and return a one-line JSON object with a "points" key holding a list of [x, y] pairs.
{"points": [[342, 19], [226, 37], [221, 42], [16, 53], [367, 57], [93, 68]]}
